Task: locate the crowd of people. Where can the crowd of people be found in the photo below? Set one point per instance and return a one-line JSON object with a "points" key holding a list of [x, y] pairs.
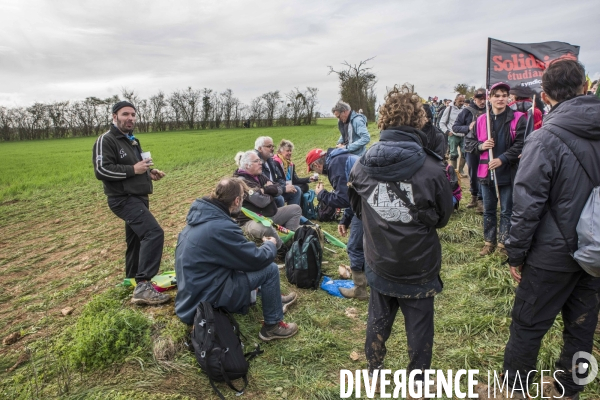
{"points": [[395, 194]]}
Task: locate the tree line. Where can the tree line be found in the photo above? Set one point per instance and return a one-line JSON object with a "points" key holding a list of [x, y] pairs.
{"points": [[181, 110]]}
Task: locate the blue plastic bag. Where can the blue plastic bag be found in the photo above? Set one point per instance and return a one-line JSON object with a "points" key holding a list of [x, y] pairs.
{"points": [[333, 286]]}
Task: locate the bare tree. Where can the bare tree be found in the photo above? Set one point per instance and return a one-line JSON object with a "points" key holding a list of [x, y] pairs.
{"points": [[357, 86], [311, 103], [158, 112], [272, 100]]}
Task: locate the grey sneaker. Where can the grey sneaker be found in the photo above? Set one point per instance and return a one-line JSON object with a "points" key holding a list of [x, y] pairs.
{"points": [[280, 330], [287, 301], [145, 293]]}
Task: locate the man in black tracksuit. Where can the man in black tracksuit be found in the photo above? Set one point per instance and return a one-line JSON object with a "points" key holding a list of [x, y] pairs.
{"points": [[463, 124], [400, 191], [127, 181], [551, 188]]}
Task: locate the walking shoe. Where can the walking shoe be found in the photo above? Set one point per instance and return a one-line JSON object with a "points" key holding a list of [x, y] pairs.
{"points": [[359, 291], [145, 293], [281, 330], [287, 301], [473, 202], [488, 249], [479, 208], [501, 249], [482, 390]]}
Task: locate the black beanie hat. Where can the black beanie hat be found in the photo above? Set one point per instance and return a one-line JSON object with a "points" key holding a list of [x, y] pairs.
{"points": [[122, 104]]}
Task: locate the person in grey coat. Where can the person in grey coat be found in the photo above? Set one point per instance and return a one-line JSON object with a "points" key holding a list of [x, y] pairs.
{"points": [[456, 140], [215, 262], [354, 135]]}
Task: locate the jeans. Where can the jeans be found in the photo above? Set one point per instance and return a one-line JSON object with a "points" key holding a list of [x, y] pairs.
{"points": [[355, 245], [490, 220], [418, 324], [144, 236], [268, 280], [540, 296], [292, 198], [473, 163]]}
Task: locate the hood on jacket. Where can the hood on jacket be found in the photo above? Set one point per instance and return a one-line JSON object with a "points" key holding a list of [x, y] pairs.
{"points": [[397, 156], [579, 115], [203, 211], [354, 115]]}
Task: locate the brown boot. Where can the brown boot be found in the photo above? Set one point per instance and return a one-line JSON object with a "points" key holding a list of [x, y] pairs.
{"points": [[501, 249], [479, 208], [359, 291], [487, 249], [473, 202], [552, 392], [482, 390], [461, 168]]}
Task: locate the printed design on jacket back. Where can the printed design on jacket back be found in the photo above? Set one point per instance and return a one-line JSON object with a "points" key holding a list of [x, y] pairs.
{"points": [[388, 205]]}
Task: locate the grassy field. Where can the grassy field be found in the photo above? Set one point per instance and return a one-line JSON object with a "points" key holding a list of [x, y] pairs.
{"points": [[60, 246]]}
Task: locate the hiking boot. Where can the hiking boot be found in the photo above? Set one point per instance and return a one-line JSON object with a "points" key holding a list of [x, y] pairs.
{"points": [[488, 249], [482, 390], [501, 249], [281, 330], [145, 293], [287, 301], [552, 392], [359, 291], [461, 168], [479, 208], [473, 202]]}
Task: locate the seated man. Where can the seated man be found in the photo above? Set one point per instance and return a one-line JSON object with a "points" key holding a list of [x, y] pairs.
{"points": [[291, 194], [261, 200], [214, 262]]}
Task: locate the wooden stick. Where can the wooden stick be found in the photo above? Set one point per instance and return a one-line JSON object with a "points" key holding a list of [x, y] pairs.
{"points": [[489, 136]]}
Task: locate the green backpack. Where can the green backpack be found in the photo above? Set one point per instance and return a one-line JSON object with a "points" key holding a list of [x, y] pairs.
{"points": [[303, 260]]}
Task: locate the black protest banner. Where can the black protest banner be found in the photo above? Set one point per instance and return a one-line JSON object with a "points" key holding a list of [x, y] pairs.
{"points": [[523, 64]]}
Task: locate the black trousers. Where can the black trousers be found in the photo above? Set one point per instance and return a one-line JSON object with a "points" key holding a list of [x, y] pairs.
{"points": [[473, 164], [418, 323], [540, 296], [144, 237]]}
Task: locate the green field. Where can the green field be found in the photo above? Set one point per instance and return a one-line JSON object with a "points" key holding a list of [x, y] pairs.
{"points": [[60, 246]]}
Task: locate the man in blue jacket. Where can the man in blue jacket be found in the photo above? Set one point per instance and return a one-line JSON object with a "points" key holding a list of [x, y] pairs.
{"points": [[337, 164], [214, 262], [354, 135]]}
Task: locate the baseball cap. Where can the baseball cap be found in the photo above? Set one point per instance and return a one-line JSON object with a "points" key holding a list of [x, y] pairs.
{"points": [[313, 156], [500, 85]]}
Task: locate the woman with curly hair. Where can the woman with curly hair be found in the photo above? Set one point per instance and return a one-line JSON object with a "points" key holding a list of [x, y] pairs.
{"points": [[401, 193]]}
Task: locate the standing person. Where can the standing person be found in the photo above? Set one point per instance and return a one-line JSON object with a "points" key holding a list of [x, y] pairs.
{"points": [[465, 121], [214, 262], [336, 164], [402, 196], [456, 140], [507, 135], [354, 135], [127, 181], [265, 149], [523, 102], [436, 141], [551, 189]]}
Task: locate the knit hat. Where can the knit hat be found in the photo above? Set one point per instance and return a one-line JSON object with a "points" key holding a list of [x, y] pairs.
{"points": [[120, 105], [313, 156]]}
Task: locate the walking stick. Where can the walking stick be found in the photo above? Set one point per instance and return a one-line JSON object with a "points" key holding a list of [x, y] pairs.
{"points": [[489, 136]]}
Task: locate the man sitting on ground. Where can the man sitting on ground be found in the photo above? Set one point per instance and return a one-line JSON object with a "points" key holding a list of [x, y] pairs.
{"points": [[214, 262], [261, 200], [274, 173]]}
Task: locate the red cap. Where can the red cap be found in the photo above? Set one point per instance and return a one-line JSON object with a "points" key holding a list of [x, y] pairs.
{"points": [[313, 156], [500, 85]]}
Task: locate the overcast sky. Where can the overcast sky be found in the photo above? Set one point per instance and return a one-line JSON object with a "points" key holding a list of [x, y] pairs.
{"points": [[68, 50]]}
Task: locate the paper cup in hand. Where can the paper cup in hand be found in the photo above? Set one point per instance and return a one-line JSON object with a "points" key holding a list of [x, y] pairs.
{"points": [[146, 155]]}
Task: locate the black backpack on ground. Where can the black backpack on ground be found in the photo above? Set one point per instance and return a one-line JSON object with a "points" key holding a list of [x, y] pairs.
{"points": [[303, 260], [326, 213], [218, 347]]}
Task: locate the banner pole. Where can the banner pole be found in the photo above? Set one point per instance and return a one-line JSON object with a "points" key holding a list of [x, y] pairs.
{"points": [[489, 136]]}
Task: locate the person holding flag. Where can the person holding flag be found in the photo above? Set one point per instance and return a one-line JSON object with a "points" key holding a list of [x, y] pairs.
{"points": [[498, 148]]}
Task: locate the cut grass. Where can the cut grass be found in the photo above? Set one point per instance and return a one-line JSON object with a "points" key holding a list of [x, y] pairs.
{"points": [[60, 245]]}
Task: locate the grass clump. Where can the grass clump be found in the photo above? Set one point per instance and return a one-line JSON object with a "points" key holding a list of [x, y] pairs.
{"points": [[106, 333]]}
